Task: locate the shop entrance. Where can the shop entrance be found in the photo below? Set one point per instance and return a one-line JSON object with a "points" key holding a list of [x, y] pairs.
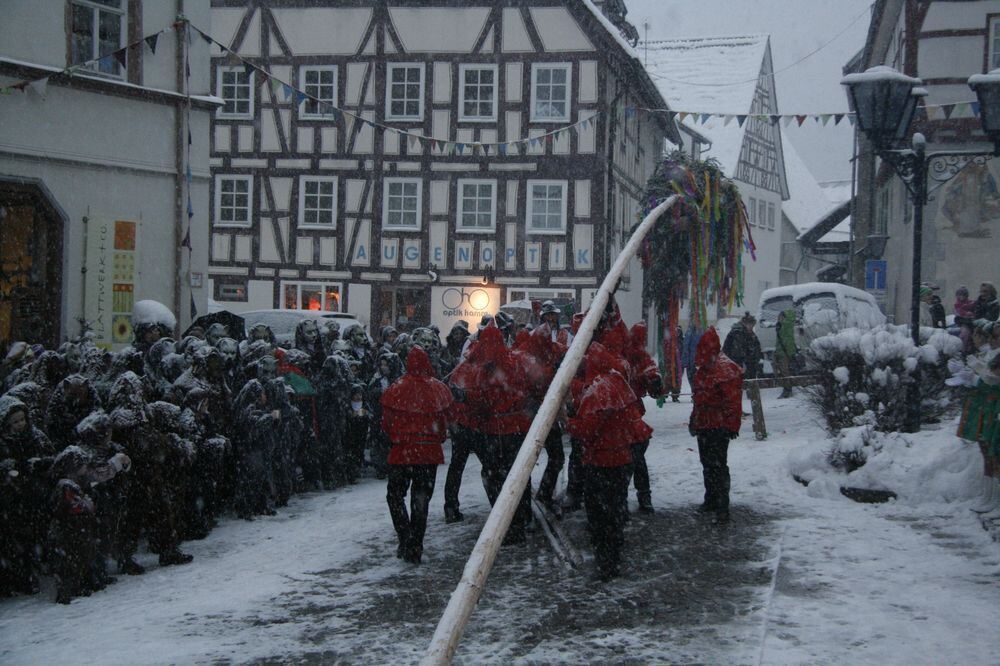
{"points": [[404, 308], [31, 239]]}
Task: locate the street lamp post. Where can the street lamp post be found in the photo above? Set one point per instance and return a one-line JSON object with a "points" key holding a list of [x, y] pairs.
{"points": [[884, 102]]}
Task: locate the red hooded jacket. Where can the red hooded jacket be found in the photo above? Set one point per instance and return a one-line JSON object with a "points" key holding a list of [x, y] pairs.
{"points": [[717, 387], [645, 374], [537, 354], [497, 391], [607, 419], [414, 413]]}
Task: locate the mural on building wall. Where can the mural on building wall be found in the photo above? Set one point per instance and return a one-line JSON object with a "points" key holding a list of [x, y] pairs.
{"points": [[970, 203]]}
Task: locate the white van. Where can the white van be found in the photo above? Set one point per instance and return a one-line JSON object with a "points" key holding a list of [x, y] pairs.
{"points": [[821, 308]]}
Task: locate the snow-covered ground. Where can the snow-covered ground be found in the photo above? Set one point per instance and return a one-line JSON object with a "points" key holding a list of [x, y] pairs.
{"points": [[798, 577]]}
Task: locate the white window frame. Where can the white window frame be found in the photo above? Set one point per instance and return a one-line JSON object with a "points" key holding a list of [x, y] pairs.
{"points": [[469, 67], [305, 115], [752, 211], [218, 90], [95, 51], [530, 205], [217, 212], [389, 68], [539, 294], [993, 44], [771, 213], [762, 213], [568, 67], [460, 210], [323, 285], [385, 204], [303, 180]]}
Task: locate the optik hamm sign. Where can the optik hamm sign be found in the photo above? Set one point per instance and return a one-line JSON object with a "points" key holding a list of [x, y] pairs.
{"points": [[468, 302]]}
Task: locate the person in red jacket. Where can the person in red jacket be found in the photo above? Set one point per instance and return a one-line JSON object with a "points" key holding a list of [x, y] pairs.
{"points": [[607, 422], [645, 380], [495, 406], [414, 417], [715, 418], [539, 354]]}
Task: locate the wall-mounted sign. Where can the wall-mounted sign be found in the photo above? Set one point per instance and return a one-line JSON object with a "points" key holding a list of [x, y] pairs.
{"points": [[468, 302], [111, 280]]}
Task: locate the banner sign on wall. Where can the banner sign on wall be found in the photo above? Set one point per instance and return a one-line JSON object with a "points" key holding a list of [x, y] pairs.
{"points": [[111, 281], [468, 302]]}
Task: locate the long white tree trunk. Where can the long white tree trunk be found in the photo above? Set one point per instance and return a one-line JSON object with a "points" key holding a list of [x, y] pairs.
{"points": [[470, 587]]}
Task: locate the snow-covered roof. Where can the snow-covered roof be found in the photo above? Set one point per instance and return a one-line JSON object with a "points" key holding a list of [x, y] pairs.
{"points": [[807, 202], [707, 74]]}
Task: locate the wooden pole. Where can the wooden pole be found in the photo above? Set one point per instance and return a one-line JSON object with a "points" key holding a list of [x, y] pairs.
{"points": [[463, 600]]}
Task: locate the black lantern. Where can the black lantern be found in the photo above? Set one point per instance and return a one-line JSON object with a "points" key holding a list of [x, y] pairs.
{"points": [[884, 102], [987, 89]]}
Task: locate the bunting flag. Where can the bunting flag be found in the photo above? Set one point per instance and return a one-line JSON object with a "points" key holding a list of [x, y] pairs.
{"points": [[741, 120], [39, 86], [837, 117], [287, 91], [194, 308], [121, 57], [187, 240], [151, 42]]}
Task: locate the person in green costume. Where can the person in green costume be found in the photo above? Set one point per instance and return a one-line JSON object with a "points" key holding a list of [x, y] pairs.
{"points": [[785, 349]]}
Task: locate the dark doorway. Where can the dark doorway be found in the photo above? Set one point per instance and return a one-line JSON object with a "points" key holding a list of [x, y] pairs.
{"points": [[31, 253], [404, 308]]}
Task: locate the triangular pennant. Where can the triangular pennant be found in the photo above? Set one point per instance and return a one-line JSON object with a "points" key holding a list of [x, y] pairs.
{"points": [[263, 77], [187, 173], [947, 109], [194, 308], [825, 118], [800, 120], [682, 115], [837, 117], [705, 117], [232, 59], [850, 119], [248, 69], [287, 91], [151, 42], [39, 86], [786, 120], [208, 40], [189, 134], [190, 209], [741, 119], [300, 97], [22, 86], [121, 57], [962, 110], [726, 119], [187, 239], [774, 118], [460, 147], [975, 109]]}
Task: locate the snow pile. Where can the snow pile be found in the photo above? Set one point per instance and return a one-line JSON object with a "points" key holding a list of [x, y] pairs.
{"points": [[153, 313], [929, 466], [864, 376]]}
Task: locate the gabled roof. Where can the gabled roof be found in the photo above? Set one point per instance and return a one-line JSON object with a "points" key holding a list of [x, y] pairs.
{"points": [[717, 74], [710, 75], [807, 202]]}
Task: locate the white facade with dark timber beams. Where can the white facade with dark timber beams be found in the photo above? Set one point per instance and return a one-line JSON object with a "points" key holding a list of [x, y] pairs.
{"points": [[314, 211]]}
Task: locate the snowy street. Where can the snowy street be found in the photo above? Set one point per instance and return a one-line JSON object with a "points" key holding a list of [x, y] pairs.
{"points": [[793, 579]]}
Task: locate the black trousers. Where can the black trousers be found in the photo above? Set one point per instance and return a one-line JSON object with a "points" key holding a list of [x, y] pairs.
{"points": [[498, 455], [640, 473], [554, 465], [574, 473], [713, 449], [410, 528], [463, 442], [605, 493]]}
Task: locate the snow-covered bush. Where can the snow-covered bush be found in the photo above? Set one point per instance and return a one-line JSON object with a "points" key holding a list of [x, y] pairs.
{"points": [[865, 376]]}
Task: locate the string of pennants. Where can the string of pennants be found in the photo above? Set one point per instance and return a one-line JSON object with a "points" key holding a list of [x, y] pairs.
{"points": [[957, 110], [415, 139], [120, 56]]}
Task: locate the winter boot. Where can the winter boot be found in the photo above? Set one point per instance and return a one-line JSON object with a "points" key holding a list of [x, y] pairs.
{"points": [[646, 503], [130, 567], [989, 500], [174, 556], [453, 515]]}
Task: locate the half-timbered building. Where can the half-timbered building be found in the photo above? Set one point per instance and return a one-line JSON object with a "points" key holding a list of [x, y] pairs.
{"points": [[317, 209], [732, 77], [943, 43]]}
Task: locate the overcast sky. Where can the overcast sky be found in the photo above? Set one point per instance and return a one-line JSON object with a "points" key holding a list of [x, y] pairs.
{"points": [[796, 27]]}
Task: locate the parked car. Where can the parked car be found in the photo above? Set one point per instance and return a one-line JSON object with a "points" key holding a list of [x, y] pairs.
{"points": [[821, 308], [283, 322]]}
